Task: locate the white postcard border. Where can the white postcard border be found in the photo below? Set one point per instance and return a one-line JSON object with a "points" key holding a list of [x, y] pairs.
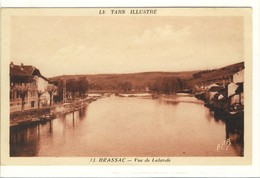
{"points": [[179, 171]]}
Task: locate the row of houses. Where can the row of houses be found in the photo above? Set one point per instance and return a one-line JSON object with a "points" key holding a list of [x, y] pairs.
{"points": [[227, 102], [28, 88], [227, 96]]}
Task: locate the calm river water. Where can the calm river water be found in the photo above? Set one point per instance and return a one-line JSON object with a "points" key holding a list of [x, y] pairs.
{"points": [[116, 126]]}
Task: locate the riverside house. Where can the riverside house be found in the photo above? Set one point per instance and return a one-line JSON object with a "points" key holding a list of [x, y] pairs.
{"points": [[236, 89], [25, 82], [233, 93], [211, 91]]}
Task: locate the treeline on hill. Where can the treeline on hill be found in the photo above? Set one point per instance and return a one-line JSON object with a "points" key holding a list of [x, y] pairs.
{"points": [[111, 86], [169, 85], [155, 82], [166, 85], [75, 87], [79, 86]]}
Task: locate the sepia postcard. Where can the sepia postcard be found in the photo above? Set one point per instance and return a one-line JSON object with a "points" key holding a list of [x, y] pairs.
{"points": [[126, 86]]}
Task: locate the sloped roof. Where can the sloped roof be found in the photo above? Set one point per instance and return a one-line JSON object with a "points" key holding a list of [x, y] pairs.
{"points": [[22, 72], [17, 70]]}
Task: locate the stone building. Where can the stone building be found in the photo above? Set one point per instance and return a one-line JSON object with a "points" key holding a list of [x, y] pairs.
{"points": [[25, 82]]}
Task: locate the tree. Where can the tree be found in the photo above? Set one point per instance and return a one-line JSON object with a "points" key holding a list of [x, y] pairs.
{"points": [[60, 85], [51, 89], [78, 86], [125, 87], [22, 92], [83, 86], [40, 93], [71, 86], [168, 85]]}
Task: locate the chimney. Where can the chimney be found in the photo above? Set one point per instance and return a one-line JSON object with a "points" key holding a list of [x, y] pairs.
{"points": [[21, 67]]}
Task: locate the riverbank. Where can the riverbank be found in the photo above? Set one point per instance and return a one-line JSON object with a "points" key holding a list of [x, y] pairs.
{"points": [[231, 114], [179, 97], [174, 98], [109, 128], [43, 115], [30, 116]]}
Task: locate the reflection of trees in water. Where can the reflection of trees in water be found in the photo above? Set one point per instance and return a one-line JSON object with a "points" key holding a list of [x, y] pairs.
{"points": [[24, 141], [235, 130], [82, 113], [168, 102], [51, 130], [209, 114], [219, 116], [234, 127]]}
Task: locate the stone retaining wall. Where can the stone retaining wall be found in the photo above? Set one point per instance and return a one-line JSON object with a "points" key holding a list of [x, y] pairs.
{"points": [[30, 113]]}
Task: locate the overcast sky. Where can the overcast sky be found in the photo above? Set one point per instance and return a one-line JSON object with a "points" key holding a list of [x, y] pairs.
{"points": [[92, 45]]}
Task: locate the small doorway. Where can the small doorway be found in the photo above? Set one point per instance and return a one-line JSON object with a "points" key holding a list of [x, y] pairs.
{"points": [[32, 104]]}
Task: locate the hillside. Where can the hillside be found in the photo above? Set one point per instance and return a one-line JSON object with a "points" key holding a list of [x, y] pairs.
{"points": [[216, 75], [139, 81]]}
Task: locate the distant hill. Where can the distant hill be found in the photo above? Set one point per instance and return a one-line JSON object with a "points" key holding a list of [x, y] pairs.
{"points": [[216, 75], [144, 79], [137, 80]]}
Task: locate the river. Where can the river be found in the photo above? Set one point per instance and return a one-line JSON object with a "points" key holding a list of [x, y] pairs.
{"points": [[127, 126]]}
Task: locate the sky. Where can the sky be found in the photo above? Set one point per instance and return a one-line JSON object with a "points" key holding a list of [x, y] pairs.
{"points": [[64, 45]]}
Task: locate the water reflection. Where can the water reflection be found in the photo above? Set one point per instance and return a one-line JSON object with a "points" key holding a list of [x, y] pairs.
{"points": [[126, 127], [235, 131], [25, 141], [234, 128], [21, 138]]}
